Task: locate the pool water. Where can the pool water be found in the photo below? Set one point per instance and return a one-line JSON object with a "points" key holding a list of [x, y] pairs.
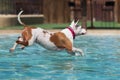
{"points": [[101, 60]]}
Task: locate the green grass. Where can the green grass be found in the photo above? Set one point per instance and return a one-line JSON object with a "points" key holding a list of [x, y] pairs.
{"points": [[53, 26], [45, 26], [97, 25], [104, 25]]}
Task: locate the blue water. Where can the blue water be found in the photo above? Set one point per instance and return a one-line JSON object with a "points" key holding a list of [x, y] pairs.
{"points": [[101, 60]]}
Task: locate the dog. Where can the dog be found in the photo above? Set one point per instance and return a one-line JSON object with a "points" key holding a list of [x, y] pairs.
{"points": [[62, 40]]}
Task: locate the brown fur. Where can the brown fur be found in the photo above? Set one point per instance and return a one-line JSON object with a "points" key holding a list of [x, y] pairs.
{"points": [[26, 35], [61, 41]]}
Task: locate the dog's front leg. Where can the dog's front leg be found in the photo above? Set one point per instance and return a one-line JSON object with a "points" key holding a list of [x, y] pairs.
{"points": [[13, 48], [76, 50]]}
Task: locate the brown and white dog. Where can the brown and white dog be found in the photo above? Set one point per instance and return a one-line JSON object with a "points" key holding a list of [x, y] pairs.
{"points": [[62, 40]]}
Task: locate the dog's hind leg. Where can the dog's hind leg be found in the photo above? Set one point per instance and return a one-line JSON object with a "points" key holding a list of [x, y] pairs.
{"points": [[22, 46]]}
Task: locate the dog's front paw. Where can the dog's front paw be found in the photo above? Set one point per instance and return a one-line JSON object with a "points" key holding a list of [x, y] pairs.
{"points": [[82, 54], [79, 54], [11, 50], [78, 51]]}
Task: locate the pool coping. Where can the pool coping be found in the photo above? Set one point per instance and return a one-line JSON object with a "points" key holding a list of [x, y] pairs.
{"points": [[89, 31]]}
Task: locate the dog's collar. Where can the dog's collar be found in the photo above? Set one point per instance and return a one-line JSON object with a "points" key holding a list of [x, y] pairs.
{"points": [[72, 31]]}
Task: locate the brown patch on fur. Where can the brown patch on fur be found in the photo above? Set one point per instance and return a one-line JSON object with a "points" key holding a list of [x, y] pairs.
{"points": [[22, 42], [61, 41], [44, 32], [26, 35], [51, 34]]}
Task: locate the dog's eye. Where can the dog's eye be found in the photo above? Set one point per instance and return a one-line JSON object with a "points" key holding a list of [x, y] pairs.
{"points": [[77, 26]]}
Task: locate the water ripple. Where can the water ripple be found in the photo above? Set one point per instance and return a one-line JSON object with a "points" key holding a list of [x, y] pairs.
{"points": [[101, 60]]}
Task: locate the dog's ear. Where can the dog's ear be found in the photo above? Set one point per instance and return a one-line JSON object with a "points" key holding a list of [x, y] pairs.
{"points": [[72, 24], [77, 22]]}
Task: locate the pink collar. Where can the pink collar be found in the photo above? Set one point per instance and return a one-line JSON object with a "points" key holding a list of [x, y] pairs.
{"points": [[72, 31]]}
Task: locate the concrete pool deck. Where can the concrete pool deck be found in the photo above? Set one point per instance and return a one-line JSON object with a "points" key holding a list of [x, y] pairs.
{"points": [[89, 31]]}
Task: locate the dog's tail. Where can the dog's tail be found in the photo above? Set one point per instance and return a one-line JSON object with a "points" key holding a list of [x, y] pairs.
{"points": [[19, 20]]}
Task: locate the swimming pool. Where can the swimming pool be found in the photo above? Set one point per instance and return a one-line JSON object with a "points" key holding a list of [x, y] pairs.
{"points": [[101, 60]]}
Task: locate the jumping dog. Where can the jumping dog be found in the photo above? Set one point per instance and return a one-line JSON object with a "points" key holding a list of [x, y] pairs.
{"points": [[62, 40]]}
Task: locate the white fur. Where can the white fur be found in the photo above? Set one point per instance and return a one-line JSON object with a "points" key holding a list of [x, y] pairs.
{"points": [[44, 38]]}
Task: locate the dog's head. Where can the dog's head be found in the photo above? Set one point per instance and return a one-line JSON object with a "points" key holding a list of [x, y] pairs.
{"points": [[78, 30]]}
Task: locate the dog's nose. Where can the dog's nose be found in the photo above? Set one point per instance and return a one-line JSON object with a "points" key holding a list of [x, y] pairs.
{"points": [[83, 31]]}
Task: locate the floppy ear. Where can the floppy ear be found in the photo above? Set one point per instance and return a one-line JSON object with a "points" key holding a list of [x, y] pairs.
{"points": [[72, 23]]}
